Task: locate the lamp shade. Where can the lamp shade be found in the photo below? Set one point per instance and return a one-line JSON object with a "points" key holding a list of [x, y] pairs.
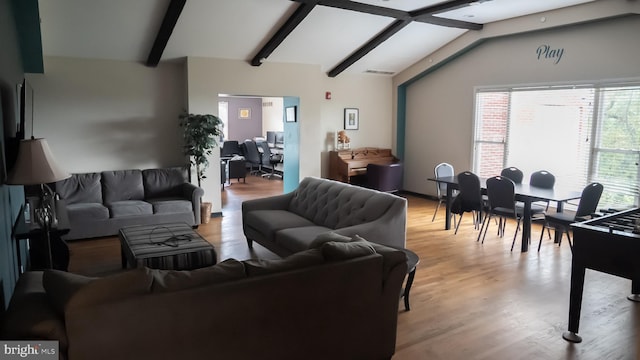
{"points": [[35, 164]]}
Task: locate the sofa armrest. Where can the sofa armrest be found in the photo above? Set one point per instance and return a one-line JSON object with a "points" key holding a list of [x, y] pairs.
{"points": [[194, 194], [278, 202]]}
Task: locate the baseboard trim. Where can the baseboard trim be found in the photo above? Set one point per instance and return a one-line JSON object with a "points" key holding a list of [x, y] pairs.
{"points": [[216, 214]]}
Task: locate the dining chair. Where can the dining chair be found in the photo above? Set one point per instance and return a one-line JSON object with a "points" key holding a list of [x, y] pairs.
{"points": [[543, 179], [442, 170], [513, 173], [469, 198], [502, 203], [588, 204]]}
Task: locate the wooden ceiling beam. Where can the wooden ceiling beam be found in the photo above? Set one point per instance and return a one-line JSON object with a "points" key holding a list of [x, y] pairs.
{"points": [[168, 24], [292, 22], [403, 18], [366, 48]]}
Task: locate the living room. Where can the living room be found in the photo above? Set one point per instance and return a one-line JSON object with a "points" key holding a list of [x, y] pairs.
{"points": [[100, 114]]}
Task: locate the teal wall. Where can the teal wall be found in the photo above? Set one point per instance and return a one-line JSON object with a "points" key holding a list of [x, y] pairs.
{"points": [[11, 197], [291, 146]]}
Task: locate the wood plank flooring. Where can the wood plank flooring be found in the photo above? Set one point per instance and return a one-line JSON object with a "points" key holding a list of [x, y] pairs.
{"points": [[468, 301]]}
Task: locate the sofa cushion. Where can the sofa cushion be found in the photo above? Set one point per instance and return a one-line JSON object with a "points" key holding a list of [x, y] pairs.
{"points": [[164, 182], [82, 212], [80, 188], [122, 185], [173, 280], [270, 221], [67, 291], [130, 208], [171, 206], [298, 238], [30, 315], [256, 267]]}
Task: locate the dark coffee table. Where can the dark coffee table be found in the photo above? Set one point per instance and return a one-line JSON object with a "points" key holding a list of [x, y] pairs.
{"points": [[172, 246]]}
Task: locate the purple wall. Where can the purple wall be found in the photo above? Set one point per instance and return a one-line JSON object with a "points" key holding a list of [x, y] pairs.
{"points": [[241, 129]]}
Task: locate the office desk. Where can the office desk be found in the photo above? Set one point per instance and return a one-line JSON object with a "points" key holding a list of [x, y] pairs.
{"points": [[525, 193]]}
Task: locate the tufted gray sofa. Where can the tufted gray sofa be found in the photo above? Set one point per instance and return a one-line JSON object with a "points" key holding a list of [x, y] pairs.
{"points": [[288, 223], [100, 203]]}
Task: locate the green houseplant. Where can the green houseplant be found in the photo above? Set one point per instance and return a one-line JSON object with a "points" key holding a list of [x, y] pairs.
{"points": [[200, 133]]}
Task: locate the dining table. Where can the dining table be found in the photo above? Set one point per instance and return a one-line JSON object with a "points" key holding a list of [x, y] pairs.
{"points": [[525, 193]]}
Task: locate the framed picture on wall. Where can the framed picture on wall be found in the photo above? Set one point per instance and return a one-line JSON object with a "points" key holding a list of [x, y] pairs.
{"points": [[244, 113], [351, 119], [290, 114]]}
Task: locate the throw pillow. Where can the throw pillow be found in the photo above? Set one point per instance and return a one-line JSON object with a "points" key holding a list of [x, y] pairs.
{"points": [[174, 280], [326, 237], [336, 251], [299, 260]]}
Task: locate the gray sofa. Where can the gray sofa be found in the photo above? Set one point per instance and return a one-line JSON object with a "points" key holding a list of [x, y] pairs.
{"points": [[100, 203], [286, 224], [335, 301]]}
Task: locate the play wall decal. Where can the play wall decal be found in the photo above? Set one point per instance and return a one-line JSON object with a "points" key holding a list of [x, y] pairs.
{"points": [[546, 52]]}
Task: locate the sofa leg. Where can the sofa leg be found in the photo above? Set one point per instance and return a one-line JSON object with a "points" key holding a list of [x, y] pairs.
{"points": [[250, 243]]}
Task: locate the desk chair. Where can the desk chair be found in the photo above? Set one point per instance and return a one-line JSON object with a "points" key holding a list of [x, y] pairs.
{"points": [[502, 203], [270, 160], [469, 198], [253, 156], [561, 221], [442, 170], [230, 148]]}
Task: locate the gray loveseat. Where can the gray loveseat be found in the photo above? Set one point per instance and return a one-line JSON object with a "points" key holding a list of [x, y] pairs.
{"points": [[286, 224], [100, 203], [335, 301]]}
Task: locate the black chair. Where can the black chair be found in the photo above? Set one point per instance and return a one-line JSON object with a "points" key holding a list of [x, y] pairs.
{"points": [[230, 148], [561, 221], [469, 198], [513, 173], [270, 160], [385, 177], [253, 157], [546, 180], [237, 170], [442, 170], [502, 203]]}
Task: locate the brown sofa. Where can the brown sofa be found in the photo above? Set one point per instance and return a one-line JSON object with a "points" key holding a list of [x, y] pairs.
{"points": [[338, 300]]}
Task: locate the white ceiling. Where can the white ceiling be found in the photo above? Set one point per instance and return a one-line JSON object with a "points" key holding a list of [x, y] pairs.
{"points": [[238, 29]]}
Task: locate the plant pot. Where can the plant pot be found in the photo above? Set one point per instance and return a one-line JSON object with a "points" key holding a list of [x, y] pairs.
{"points": [[205, 212]]}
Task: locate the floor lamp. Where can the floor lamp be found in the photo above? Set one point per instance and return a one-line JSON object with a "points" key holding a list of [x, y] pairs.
{"points": [[35, 165]]}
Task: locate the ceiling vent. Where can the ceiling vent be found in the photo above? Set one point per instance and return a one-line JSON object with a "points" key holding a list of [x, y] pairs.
{"points": [[379, 72]]}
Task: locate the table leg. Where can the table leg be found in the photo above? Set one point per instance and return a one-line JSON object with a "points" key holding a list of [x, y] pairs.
{"points": [[407, 289], [526, 225], [575, 302], [447, 221], [557, 234]]}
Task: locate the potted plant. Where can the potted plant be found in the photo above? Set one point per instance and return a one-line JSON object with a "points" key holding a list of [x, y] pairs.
{"points": [[200, 133]]}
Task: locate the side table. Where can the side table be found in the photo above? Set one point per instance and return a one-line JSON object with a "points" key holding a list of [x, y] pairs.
{"points": [[38, 247], [412, 262]]}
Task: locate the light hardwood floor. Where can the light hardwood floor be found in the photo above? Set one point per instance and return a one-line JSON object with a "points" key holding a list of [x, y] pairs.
{"points": [[468, 301]]}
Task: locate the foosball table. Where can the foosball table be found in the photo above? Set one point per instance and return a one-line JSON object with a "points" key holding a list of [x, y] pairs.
{"points": [[610, 244]]}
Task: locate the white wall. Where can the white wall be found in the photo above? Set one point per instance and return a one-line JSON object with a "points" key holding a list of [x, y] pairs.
{"points": [[318, 117], [109, 115], [439, 112], [272, 114]]}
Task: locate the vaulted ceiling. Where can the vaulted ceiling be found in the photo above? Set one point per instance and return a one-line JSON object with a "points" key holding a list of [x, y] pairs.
{"points": [[377, 36]]}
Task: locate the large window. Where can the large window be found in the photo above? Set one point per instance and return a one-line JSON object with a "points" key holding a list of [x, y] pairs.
{"points": [[579, 133]]}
